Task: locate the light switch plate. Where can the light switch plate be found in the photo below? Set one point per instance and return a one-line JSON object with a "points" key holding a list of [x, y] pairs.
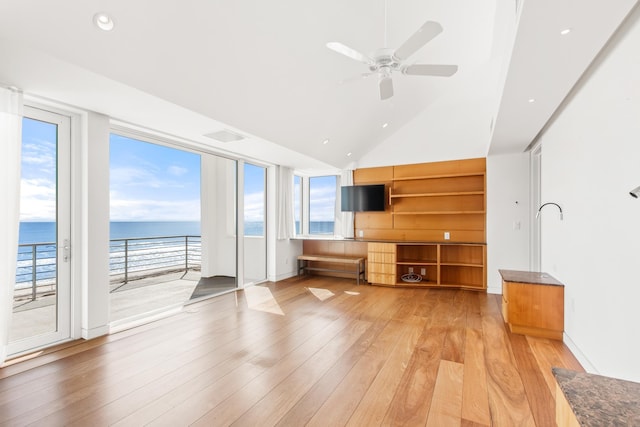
{"points": [[447, 235]]}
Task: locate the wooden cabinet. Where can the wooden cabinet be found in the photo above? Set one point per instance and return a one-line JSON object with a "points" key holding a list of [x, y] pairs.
{"points": [[382, 263], [439, 264], [533, 303]]}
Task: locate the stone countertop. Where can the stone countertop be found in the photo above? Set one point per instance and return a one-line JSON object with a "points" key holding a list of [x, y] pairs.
{"points": [[600, 401], [537, 278]]}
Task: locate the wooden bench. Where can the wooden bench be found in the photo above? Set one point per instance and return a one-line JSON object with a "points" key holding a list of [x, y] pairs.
{"points": [[358, 263]]}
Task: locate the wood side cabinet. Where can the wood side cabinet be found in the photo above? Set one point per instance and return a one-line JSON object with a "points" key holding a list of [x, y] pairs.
{"points": [[533, 303]]}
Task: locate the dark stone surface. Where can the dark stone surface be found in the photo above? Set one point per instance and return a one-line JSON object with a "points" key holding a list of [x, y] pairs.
{"points": [[534, 277], [600, 401]]}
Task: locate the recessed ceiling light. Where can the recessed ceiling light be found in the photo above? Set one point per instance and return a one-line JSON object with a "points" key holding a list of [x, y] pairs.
{"points": [[384, 125], [326, 141], [103, 21], [565, 31], [532, 100], [349, 154]]}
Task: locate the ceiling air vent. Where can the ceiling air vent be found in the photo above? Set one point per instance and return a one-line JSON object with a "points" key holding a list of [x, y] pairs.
{"points": [[225, 136]]}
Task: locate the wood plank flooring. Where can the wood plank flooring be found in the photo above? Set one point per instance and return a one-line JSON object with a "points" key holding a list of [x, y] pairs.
{"points": [[311, 351]]}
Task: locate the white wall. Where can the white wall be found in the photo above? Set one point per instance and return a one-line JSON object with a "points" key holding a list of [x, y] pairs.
{"points": [[94, 225], [287, 252], [590, 162], [508, 212]]}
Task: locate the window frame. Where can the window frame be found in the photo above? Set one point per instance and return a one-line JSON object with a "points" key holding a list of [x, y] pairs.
{"points": [[305, 203]]}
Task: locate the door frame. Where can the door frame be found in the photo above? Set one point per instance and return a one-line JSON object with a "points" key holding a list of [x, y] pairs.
{"points": [[64, 269]]}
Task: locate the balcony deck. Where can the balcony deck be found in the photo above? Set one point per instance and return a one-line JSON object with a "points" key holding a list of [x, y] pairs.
{"points": [[134, 298]]}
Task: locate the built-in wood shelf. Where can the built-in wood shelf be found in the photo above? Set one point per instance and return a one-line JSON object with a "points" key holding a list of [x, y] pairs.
{"points": [[442, 265], [455, 193], [427, 202], [440, 213], [447, 175]]}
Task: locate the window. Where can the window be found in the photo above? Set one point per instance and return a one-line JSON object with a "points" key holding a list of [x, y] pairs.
{"points": [[322, 204], [297, 203]]}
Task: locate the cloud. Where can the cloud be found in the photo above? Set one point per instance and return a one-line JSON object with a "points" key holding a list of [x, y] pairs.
{"points": [[177, 170], [134, 176], [122, 209], [254, 207], [37, 200], [38, 151], [323, 201]]}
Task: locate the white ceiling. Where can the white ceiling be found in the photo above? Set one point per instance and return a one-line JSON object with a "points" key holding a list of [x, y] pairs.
{"points": [[191, 67]]}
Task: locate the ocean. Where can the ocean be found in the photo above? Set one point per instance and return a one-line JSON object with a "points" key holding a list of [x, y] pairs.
{"points": [[40, 232], [44, 232], [37, 240]]}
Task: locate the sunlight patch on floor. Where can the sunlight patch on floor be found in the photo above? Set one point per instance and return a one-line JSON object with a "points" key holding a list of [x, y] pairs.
{"points": [[261, 299], [352, 293], [321, 294]]}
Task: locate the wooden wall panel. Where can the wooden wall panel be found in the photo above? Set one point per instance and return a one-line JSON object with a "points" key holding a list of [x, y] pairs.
{"points": [[458, 236], [378, 175], [381, 220], [427, 200], [440, 168], [438, 185], [439, 222]]}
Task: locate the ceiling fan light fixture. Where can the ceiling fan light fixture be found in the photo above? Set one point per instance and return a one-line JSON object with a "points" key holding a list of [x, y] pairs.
{"points": [[385, 61], [103, 21]]}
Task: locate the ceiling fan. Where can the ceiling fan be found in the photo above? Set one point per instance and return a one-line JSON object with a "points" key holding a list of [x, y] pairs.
{"points": [[384, 61]]}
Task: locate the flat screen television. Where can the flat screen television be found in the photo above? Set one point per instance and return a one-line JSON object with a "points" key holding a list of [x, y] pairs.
{"points": [[362, 198]]}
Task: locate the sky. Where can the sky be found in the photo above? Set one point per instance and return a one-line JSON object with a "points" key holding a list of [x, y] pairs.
{"points": [[148, 182], [38, 183]]}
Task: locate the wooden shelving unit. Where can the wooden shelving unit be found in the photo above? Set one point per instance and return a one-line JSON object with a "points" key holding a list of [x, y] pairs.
{"points": [[426, 200], [440, 265]]}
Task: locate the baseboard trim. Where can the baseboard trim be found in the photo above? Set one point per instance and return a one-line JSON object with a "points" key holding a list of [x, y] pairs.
{"points": [[96, 332], [586, 364], [494, 290], [283, 276]]}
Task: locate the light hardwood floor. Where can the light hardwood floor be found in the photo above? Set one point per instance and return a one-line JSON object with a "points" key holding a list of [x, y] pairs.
{"points": [[304, 351]]}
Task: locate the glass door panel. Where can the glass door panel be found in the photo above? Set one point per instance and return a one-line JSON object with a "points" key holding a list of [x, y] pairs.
{"points": [[41, 307], [255, 242]]}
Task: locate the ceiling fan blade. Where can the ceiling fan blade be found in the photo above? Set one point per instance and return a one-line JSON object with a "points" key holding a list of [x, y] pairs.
{"points": [[430, 70], [386, 88], [427, 32], [349, 52]]}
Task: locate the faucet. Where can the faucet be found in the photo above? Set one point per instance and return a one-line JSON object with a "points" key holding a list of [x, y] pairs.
{"points": [[549, 203]]}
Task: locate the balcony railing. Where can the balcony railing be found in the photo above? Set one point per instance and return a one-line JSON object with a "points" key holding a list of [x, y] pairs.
{"points": [[129, 259]]}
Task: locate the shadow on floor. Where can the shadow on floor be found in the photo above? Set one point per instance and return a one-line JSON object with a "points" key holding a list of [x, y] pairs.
{"points": [[212, 285]]}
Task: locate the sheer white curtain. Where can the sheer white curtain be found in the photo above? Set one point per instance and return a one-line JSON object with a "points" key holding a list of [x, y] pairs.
{"points": [[10, 146], [346, 178], [286, 224]]}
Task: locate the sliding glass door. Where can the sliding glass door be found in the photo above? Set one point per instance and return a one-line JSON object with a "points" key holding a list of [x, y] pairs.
{"points": [[255, 224]]}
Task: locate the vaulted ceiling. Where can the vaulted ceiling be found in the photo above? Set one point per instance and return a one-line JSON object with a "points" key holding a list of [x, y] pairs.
{"points": [[262, 69]]}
